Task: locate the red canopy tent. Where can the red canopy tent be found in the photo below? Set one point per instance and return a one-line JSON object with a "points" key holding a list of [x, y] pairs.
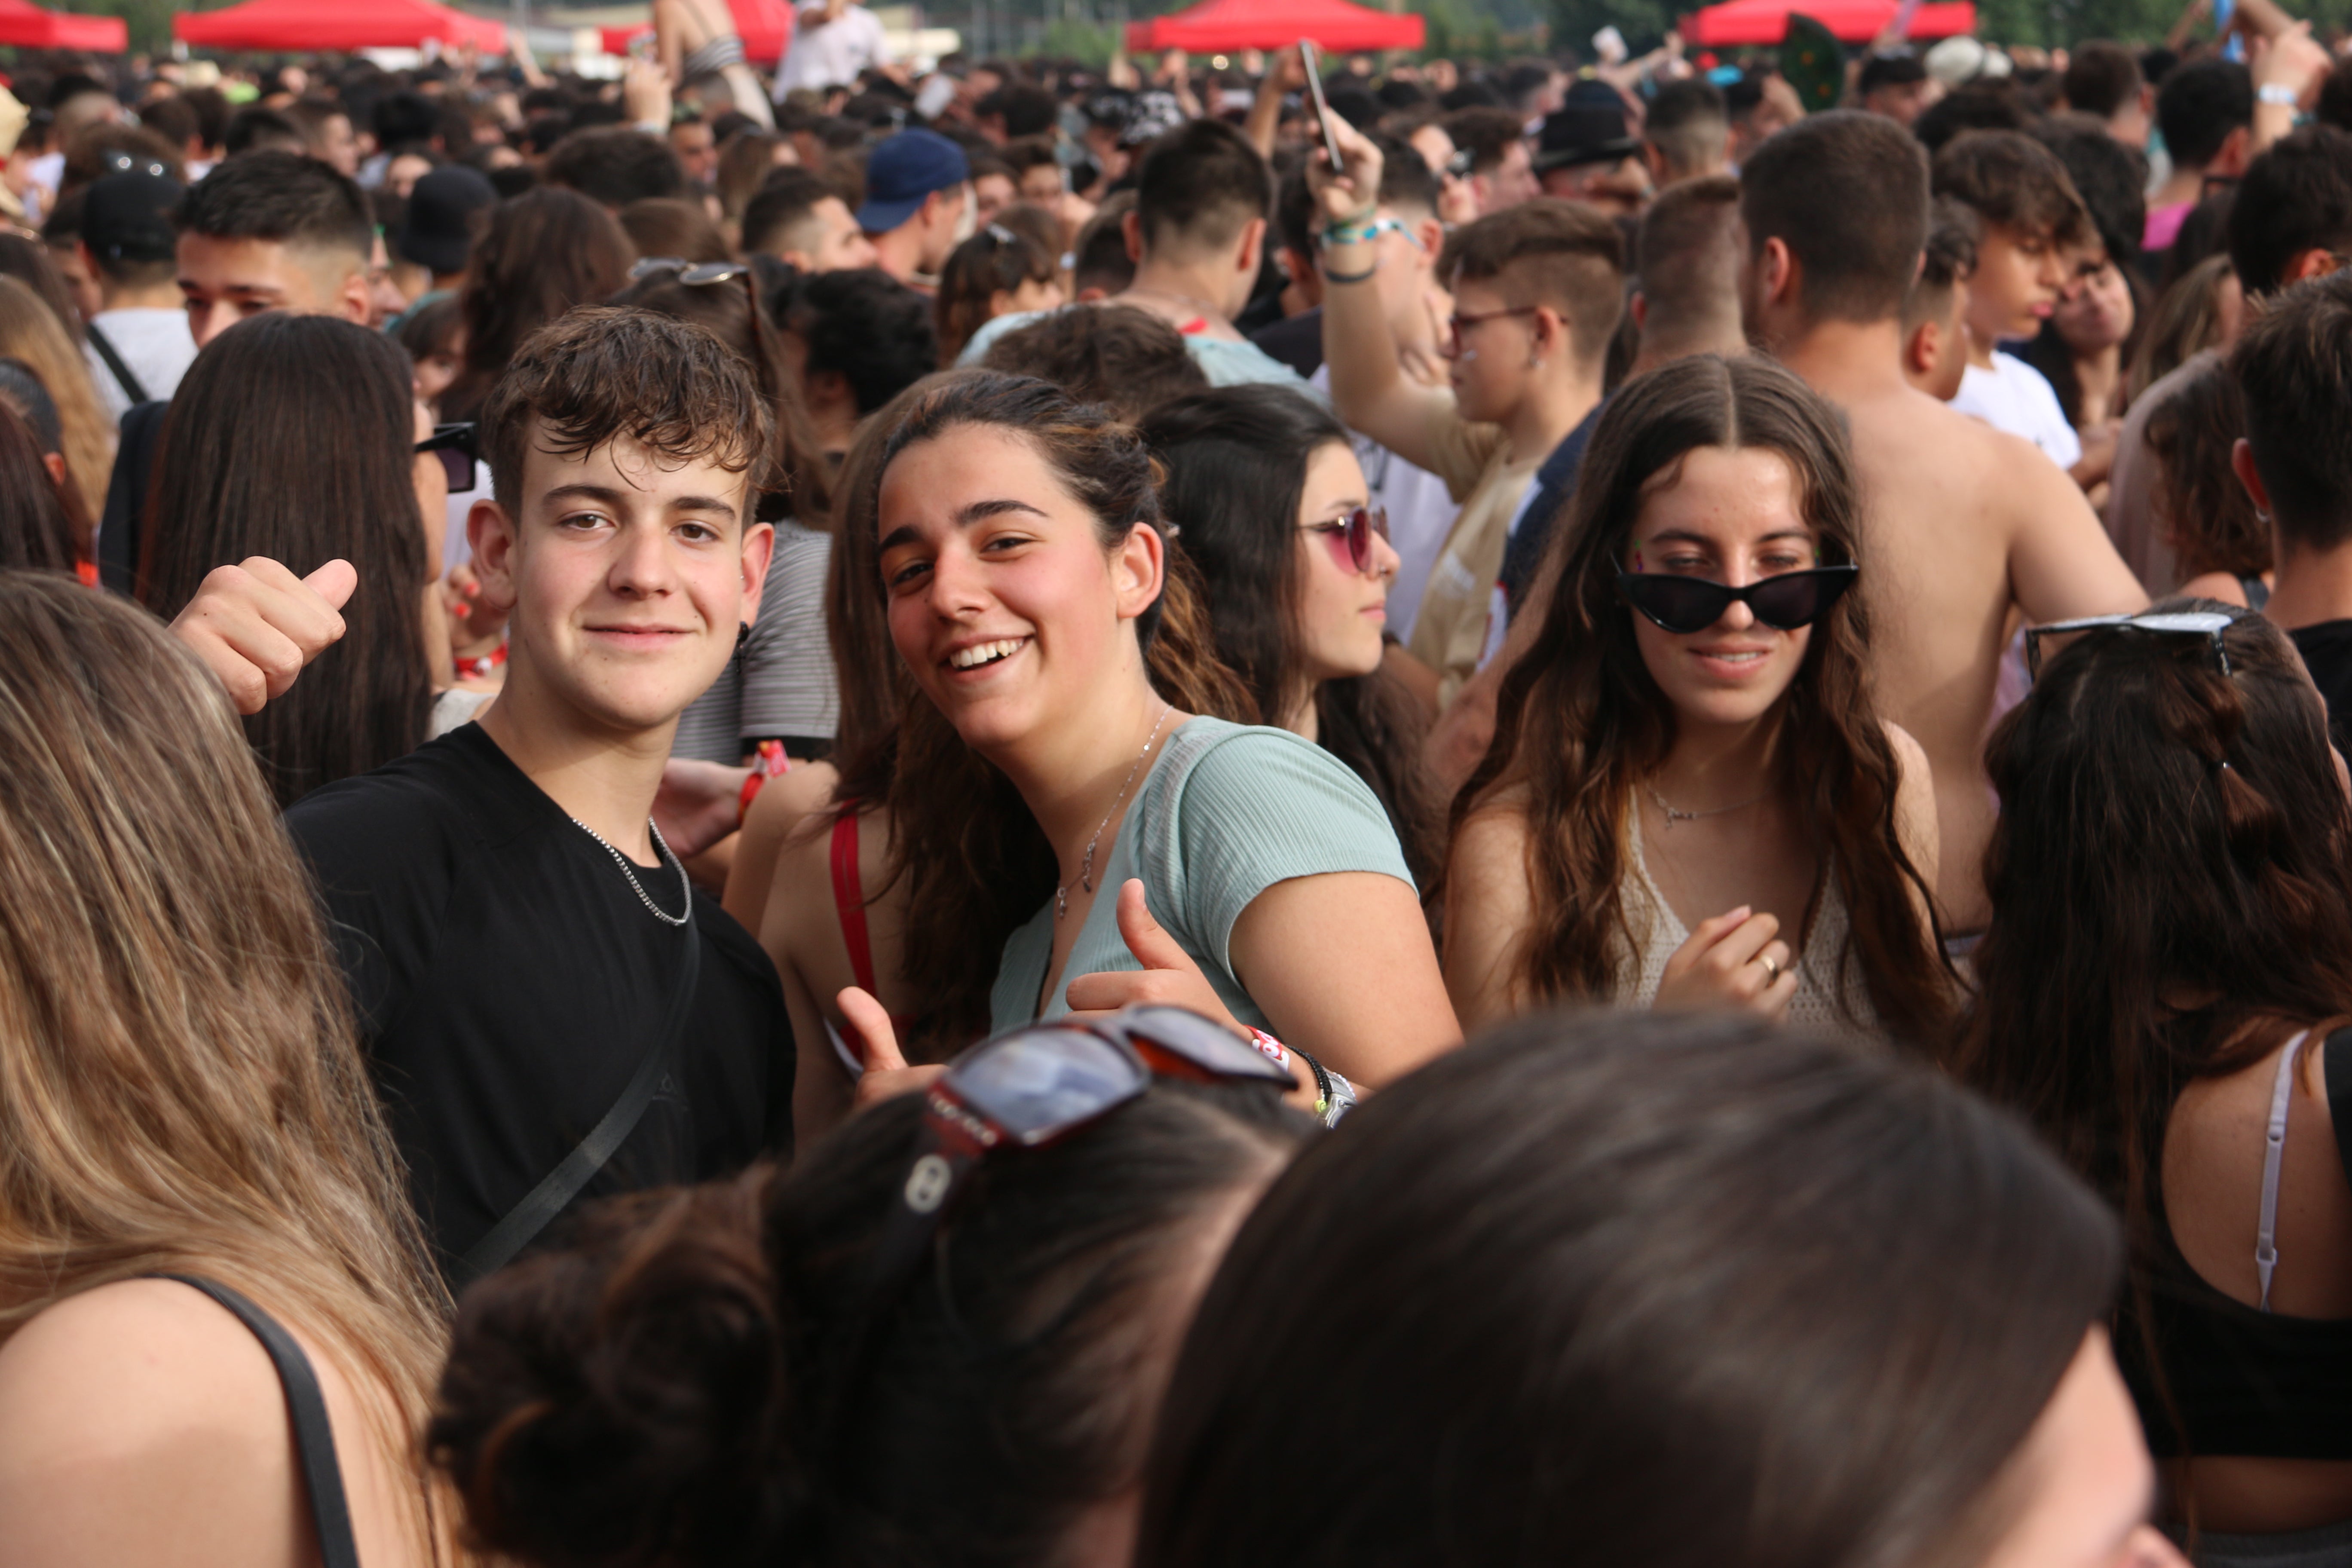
{"points": [[1224, 26], [296, 26], [28, 27], [1852, 21], [765, 27]]}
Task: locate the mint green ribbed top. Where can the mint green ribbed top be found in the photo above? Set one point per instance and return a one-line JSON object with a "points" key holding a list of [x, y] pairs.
{"points": [[1226, 812]]}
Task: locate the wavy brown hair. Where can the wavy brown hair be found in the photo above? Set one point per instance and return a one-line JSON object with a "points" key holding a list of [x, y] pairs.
{"points": [[1580, 722], [540, 254], [2168, 833], [181, 1084], [2166, 878], [978, 862]]}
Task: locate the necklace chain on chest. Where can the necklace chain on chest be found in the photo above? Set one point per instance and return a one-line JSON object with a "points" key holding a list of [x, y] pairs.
{"points": [[1086, 876], [1674, 814], [661, 850]]}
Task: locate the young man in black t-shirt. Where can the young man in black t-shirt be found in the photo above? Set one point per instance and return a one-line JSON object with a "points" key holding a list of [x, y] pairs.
{"points": [[515, 934]]}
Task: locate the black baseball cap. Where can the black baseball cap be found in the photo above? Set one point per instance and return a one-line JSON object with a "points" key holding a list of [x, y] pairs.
{"points": [[438, 231], [127, 216]]}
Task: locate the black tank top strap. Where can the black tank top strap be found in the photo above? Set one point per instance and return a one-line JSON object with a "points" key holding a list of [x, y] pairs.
{"points": [[314, 1437], [2335, 1062], [2257, 592]]}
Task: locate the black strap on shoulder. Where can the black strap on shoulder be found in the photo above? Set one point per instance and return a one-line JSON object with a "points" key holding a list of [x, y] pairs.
{"points": [[314, 1435], [2336, 1061], [520, 1224], [123, 375]]}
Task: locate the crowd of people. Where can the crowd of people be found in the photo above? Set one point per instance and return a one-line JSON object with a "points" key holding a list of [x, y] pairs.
{"points": [[747, 828]]}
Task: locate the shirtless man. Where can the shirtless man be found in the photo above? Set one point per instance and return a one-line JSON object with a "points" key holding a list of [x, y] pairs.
{"points": [[1967, 524]]}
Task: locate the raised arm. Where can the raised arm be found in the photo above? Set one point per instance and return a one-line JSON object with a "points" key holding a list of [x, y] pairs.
{"points": [[1285, 73], [1368, 388], [2062, 563]]}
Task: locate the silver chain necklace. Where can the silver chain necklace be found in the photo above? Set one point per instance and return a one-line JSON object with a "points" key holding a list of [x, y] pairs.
{"points": [[660, 849], [1086, 876], [1673, 815]]}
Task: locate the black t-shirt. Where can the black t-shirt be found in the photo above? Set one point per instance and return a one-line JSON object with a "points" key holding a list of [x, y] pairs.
{"points": [[509, 981], [2327, 650]]}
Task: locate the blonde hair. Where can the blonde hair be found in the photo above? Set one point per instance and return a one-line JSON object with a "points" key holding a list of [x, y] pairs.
{"points": [[30, 332], [181, 1084]]}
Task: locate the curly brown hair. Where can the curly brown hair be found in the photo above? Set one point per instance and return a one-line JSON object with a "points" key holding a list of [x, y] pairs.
{"points": [[600, 375]]}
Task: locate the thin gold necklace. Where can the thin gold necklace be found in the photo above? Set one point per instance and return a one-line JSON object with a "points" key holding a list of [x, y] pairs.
{"points": [[1086, 876], [1674, 815]]}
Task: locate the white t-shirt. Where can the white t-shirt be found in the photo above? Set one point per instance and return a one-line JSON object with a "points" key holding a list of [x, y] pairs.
{"points": [[2015, 397], [831, 54], [154, 343], [1421, 514]]}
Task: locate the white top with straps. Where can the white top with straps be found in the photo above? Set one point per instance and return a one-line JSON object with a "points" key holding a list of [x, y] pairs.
{"points": [[2273, 1156], [1829, 990]]}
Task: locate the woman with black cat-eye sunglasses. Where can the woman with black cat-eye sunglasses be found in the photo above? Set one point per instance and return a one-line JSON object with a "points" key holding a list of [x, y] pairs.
{"points": [[1690, 797]]}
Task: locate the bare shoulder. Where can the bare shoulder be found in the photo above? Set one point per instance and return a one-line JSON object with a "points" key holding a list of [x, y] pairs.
{"points": [[1492, 841], [1909, 755], [140, 1421], [139, 1352]]}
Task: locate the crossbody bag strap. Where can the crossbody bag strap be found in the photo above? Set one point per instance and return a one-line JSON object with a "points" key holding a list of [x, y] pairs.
{"points": [[314, 1434], [132, 388], [520, 1224]]}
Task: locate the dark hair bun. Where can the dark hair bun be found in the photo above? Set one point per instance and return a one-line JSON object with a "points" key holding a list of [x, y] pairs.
{"points": [[619, 1402]]}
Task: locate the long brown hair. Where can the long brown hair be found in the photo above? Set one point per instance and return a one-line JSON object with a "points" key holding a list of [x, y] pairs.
{"points": [[1581, 721], [542, 253], [978, 862], [872, 680], [29, 331], [181, 1084], [2168, 834], [293, 438]]}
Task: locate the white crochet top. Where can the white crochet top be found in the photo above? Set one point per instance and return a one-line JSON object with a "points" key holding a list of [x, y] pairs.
{"points": [[1824, 977]]}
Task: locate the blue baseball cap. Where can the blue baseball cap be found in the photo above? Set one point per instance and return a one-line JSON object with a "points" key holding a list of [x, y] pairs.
{"points": [[902, 170]]}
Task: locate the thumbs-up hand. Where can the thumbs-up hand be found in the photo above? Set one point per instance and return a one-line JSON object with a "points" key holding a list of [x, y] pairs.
{"points": [[255, 625], [1169, 974], [877, 1041]]}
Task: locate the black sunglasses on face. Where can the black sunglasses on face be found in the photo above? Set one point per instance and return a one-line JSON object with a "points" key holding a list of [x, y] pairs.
{"points": [[1784, 602], [453, 445]]}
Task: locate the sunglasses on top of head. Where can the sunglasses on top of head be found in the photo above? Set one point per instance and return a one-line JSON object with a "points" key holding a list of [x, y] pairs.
{"points": [[1785, 602], [1351, 536], [1038, 1084], [688, 273]]}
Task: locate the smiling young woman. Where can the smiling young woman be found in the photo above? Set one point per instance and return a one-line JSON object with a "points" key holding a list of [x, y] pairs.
{"points": [[1690, 796], [1054, 757]]}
